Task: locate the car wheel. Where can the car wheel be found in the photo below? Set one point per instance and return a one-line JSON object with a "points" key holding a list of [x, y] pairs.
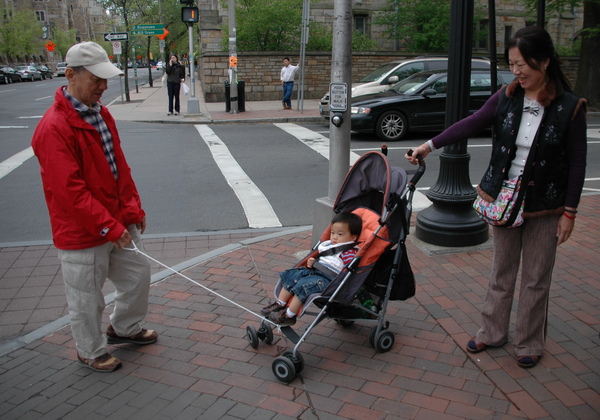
{"points": [[6, 80], [391, 126]]}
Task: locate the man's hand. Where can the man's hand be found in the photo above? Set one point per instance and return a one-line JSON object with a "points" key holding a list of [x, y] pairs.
{"points": [[142, 225], [124, 240], [310, 262]]}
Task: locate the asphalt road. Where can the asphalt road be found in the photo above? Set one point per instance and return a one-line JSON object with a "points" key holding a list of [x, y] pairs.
{"points": [[182, 181]]}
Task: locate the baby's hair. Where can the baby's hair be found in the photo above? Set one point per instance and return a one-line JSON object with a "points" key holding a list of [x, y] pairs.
{"points": [[353, 221]]}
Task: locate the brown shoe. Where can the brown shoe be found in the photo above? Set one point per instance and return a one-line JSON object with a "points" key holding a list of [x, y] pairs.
{"points": [[282, 318], [105, 363], [143, 337], [273, 307]]}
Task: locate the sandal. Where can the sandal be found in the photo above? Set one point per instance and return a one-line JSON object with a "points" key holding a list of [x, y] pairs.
{"points": [[143, 337], [527, 362], [105, 363], [474, 346]]}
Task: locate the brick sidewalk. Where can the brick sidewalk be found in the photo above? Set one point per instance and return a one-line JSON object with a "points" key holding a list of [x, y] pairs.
{"points": [[203, 366]]}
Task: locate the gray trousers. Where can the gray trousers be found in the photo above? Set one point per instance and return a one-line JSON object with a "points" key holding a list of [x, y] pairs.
{"points": [[85, 271], [535, 243]]}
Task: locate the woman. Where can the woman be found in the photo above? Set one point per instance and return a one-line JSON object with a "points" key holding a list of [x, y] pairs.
{"points": [[537, 114], [175, 77]]}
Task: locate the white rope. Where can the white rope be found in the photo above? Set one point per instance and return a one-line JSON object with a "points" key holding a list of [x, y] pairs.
{"points": [[138, 251]]}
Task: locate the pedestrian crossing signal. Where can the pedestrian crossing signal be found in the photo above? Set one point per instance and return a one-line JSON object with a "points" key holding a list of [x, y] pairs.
{"points": [[189, 14]]}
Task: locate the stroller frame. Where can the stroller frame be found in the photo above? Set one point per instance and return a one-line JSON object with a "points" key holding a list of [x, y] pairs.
{"points": [[340, 304]]}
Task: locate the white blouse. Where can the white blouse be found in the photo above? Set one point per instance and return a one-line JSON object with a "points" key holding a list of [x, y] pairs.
{"points": [[530, 122]]}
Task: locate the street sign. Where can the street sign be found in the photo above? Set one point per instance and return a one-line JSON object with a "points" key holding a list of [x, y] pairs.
{"points": [[148, 27], [338, 97], [148, 32], [116, 47], [116, 36]]}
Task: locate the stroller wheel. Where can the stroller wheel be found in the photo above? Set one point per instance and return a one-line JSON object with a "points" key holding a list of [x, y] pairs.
{"points": [[265, 332], [383, 341], [252, 336], [298, 360], [284, 369]]}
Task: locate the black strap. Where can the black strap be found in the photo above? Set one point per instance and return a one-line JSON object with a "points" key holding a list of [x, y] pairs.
{"points": [[336, 249]]}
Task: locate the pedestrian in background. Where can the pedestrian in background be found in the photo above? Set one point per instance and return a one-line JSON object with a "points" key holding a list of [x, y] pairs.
{"points": [[175, 77], [95, 210], [539, 115], [288, 72]]}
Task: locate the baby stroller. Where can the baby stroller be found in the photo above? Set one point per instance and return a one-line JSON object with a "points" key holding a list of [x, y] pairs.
{"points": [[379, 272]]}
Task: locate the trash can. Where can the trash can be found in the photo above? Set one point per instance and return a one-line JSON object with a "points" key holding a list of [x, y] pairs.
{"points": [[241, 96]]}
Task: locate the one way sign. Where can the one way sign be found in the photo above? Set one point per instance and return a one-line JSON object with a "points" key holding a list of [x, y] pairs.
{"points": [[116, 36]]}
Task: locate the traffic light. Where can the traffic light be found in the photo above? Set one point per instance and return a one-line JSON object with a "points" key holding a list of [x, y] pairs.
{"points": [[189, 14], [186, 1]]}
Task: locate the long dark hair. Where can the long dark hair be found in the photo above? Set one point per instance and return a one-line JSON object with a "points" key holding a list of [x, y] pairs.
{"points": [[535, 45]]}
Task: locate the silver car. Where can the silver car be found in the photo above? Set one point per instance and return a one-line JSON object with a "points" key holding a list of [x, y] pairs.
{"points": [[29, 73], [60, 69]]}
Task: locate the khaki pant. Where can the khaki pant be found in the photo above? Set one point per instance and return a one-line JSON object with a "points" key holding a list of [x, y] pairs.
{"points": [[535, 243], [85, 271]]}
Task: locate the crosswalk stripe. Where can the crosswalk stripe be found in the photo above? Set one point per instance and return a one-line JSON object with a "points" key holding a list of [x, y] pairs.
{"points": [[320, 144], [15, 161], [257, 208]]}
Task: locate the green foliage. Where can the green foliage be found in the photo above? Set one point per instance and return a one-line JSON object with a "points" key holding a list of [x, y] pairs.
{"points": [[267, 25], [572, 50], [63, 39], [361, 42], [422, 26], [320, 37], [20, 34]]}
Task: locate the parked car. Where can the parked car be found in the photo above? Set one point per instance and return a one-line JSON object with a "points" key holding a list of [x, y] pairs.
{"points": [[29, 73], [417, 103], [385, 76], [46, 72], [160, 65], [9, 75], [60, 68]]}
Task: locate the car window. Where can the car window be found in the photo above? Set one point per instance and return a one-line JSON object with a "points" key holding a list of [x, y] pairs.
{"points": [[408, 69], [378, 73], [61, 65], [441, 86], [411, 84], [481, 82], [437, 64]]}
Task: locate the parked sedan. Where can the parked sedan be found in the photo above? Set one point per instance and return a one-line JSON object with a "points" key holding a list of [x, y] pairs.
{"points": [[9, 75], [417, 103], [46, 72], [29, 73]]}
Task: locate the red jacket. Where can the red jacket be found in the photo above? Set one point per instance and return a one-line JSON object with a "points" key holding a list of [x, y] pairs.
{"points": [[87, 206]]}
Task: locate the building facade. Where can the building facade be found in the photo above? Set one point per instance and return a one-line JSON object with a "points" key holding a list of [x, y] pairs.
{"points": [[86, 17]]}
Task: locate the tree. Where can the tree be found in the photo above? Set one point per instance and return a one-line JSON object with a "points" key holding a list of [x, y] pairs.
{"points": [[18, 36], [63, 39], [588, 73], [588, 80], [422, 25], [267, 25]]}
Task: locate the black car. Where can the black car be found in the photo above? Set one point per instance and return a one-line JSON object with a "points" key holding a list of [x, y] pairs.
{"points": [[9, 75], [46, 72], [417, 103]]}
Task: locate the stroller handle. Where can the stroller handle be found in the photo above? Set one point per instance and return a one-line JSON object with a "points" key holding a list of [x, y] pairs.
{"points": [[420, 171]]}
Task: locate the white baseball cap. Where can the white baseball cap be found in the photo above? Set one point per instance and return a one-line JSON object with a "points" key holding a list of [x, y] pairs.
{"points": [[93, 58]]}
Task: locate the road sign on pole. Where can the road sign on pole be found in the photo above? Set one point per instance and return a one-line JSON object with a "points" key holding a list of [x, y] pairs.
{"points": [[116, 36], [148, 29], [116, 47]]}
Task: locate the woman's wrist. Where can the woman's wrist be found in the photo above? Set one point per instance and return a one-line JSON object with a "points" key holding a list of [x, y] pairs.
{"points": [[431, 146]]}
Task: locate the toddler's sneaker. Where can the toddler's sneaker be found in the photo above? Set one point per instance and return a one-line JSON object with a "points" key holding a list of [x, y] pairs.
{"points": [[273, 307], [282, 318]]}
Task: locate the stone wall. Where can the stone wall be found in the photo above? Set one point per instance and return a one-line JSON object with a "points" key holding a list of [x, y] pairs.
{"points": [[260, 72]]}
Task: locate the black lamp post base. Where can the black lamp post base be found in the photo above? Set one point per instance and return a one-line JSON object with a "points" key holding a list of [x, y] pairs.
{"points": [[451, 227]]}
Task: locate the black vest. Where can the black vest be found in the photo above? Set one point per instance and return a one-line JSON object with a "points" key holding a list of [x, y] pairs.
{"points": [[545, 180]]}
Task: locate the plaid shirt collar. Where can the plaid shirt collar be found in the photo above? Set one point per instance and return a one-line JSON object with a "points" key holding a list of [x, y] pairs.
{"points": [[80, 107]]}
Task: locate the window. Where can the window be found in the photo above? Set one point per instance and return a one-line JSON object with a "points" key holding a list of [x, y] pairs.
{"points": [[507, 34], [480, 36], [360, 24], [40, 15]]}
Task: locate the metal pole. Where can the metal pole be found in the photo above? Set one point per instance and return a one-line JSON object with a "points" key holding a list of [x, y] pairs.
{"points": [[233, 87], [451, 221], [541, 13], [339, 137], [303, 42], [492, 44], [193, 103]]}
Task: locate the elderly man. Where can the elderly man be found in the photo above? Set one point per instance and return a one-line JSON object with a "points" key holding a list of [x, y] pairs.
{"points": [[95, 210]]}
